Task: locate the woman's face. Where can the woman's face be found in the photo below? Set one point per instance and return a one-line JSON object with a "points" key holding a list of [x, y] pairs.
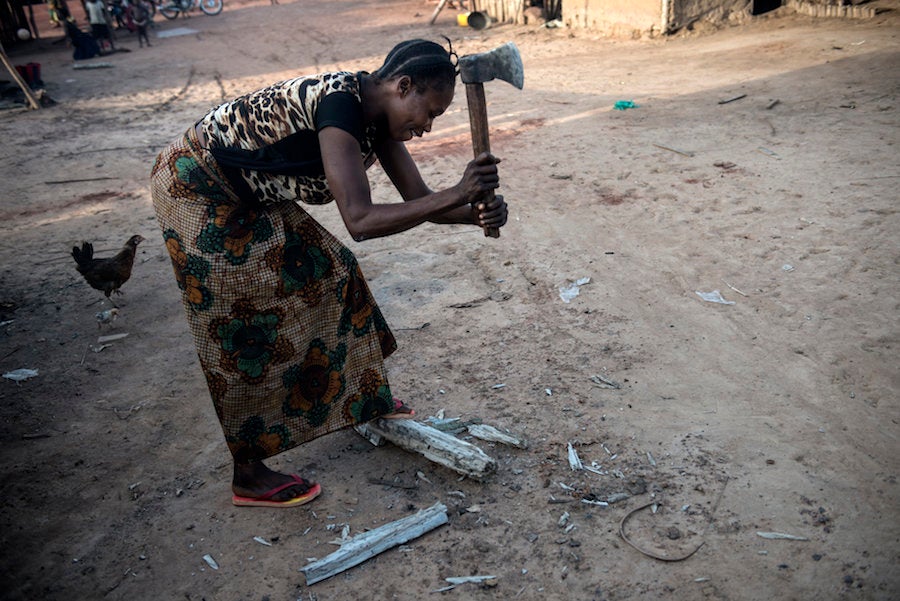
{"points": [[412, 112]]}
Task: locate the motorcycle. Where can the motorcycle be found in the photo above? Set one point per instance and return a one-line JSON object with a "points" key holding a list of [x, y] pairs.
{"points": [[170, 9]]}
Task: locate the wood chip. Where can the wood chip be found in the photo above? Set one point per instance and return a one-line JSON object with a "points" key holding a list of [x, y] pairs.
{"points": [[574, 460], [779, 536], [605, 382], [492, 434]]}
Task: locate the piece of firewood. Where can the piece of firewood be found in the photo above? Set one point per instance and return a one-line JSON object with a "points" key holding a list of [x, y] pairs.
{"points": [[364, 546], [460, 456], [492, 434]]}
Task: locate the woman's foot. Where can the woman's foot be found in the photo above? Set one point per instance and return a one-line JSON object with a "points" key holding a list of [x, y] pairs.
{"points": [[255, 485], [401, 411]]}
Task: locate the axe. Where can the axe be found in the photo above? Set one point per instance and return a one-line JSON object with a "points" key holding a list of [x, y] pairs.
{"points": [[503, 63]]}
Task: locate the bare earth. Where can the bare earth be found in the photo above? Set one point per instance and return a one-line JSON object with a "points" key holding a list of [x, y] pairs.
{"points": [[778, 413]]}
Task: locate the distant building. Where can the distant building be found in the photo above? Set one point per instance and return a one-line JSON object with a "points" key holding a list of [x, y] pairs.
{"points": [[639, 18]]}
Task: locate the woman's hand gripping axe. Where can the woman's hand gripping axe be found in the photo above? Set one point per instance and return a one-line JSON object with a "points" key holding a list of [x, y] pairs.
{"points": [[503, 63]]}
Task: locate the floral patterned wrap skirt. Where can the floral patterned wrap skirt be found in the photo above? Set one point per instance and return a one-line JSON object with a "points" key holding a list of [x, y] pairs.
{"points": [[289, 337]]}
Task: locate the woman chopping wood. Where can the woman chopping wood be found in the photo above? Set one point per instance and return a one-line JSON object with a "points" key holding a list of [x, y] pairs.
{"points": [[289, 337]]}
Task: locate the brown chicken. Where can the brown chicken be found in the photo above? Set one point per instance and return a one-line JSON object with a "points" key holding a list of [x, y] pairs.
{"points": [[108, 274]]}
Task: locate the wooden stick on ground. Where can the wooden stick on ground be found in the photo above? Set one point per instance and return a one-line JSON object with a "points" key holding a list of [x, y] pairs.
{"points": [[440, 447], [364, 546], [76, 181]]}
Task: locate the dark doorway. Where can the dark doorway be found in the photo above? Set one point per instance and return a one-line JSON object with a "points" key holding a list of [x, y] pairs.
{"points": [[764, 6]]}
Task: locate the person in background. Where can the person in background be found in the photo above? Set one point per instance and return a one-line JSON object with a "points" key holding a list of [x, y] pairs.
{"points": [[98, 17], [140, 16], [118, 9], [289, 336], [83, 44], [58, 12]]}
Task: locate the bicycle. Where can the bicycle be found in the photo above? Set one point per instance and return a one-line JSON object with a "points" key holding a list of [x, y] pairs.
{"points": [[173, 8]]}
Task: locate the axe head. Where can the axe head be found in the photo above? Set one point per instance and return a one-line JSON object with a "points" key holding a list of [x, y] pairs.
{"points": [[503, 62]]}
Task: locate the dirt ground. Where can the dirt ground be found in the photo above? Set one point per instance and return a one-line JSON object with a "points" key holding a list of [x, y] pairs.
{"points": [[777, 413]]}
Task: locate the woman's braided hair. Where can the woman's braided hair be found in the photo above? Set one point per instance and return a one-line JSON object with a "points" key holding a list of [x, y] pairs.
{"points": [[426, 63]]}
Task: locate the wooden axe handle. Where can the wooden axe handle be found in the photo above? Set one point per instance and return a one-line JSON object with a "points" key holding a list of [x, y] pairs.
{"points": [[481, 141]]}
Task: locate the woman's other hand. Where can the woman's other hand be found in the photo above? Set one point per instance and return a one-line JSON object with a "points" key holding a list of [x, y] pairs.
{"points": [[479, 178], [490, 213]]}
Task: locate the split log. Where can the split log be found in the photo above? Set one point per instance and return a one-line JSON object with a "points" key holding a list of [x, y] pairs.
{"points": [[364, 546], [440, 447]]}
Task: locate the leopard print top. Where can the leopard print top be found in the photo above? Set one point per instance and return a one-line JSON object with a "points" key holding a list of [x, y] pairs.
{"points": [[267, 141]]}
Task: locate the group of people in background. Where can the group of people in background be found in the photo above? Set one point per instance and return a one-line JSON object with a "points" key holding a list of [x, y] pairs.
{"points": [[132, 15]]}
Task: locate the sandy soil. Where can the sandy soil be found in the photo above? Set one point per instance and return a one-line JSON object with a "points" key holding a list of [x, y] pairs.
{"points": [[777, 413]]}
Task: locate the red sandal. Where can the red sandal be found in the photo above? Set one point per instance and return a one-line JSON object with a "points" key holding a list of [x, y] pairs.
{"points": [[313, 490], [401, 411]]}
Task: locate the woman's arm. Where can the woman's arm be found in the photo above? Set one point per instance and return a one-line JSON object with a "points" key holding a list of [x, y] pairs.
{"points": [[404, 174], [348, 183]]}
